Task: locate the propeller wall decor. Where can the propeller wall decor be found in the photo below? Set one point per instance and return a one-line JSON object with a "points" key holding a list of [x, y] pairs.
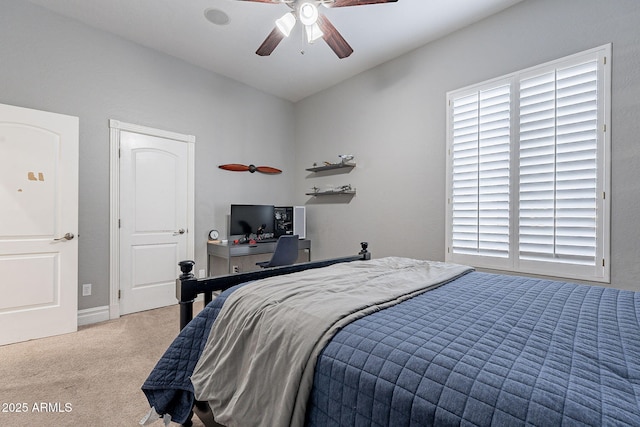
{"points": [[316, 26], [236, 167]]}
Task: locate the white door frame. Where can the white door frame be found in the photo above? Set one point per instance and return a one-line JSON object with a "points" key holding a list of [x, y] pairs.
{"points": [[116, 127]]}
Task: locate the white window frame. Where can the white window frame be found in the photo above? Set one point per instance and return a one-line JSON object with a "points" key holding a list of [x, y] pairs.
{"points": [[600, 271]]}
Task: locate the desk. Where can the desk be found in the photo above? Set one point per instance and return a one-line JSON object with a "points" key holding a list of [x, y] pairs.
{"points": [[221, 257]]}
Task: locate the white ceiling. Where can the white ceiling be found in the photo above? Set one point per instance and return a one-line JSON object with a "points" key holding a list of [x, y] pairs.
{"points": [[377, 33]]}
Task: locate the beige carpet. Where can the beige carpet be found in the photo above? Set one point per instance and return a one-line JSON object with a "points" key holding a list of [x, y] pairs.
{"points": [[88, 378]]}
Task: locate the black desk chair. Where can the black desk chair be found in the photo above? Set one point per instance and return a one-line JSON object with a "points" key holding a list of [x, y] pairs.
{"points": [[286, 252]]}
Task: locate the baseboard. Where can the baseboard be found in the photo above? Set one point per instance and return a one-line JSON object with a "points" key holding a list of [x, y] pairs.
{"points": [[93, 315]]}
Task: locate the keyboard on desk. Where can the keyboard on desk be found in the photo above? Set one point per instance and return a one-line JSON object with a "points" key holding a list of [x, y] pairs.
{"points": [[266, 240]]}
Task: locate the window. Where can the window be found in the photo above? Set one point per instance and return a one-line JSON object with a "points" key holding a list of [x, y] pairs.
{"points": [[527, 170]]}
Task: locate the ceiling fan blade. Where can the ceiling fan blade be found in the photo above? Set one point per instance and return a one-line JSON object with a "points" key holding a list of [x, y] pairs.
{"points": [[264, 1], [235, 167], [333, 38], [344, 3], [270, 43], [268, 169]]}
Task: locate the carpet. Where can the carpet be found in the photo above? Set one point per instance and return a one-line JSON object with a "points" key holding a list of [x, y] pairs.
{"points": [[87, 378]]}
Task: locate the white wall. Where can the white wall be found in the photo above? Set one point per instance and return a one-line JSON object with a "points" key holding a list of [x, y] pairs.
{"points": [[57, 64], [393, 119]]}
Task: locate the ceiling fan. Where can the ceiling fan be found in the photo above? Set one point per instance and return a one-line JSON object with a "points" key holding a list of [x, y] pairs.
{"points": [[316, 26]]}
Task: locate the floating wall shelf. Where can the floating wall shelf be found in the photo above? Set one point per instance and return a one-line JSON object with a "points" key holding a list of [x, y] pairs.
{"points": [[333, 166], [331, 193], [345, 192]]}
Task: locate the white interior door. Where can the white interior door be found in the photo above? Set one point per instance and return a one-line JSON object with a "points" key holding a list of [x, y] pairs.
{"points": [[38, 208], [155, 199]]}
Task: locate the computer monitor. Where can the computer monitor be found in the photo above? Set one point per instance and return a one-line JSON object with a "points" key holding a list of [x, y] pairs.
{"points": [[248, 220]]}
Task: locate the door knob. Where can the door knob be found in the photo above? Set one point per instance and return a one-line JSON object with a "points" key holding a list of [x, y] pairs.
{"points": [[181, 231], [68, 236]]}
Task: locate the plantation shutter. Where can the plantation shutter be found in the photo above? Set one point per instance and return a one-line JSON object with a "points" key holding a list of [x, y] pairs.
{"points": [[558, 167], [529, 168], [480, 172]]}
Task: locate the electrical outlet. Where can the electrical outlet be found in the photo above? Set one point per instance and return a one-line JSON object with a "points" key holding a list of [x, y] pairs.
{"points": [[86, 289], [201, 273], [235, 269]]}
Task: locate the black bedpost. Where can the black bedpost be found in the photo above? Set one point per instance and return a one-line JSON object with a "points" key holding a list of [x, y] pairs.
{"points": [[366, 255], [185, 299], [186, 306]]}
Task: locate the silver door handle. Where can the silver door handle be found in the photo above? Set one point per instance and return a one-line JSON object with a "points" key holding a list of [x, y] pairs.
{"points": [[181, 231], [68, 236]]}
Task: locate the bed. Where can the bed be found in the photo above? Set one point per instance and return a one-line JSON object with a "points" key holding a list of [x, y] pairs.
{"points": [[471, 348]]}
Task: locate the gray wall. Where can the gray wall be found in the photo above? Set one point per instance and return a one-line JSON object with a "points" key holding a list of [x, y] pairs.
{"points": [[56, 64], [393, 119]]}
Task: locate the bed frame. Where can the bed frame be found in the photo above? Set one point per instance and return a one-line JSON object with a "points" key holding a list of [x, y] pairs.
{"points": [[188, 288]]}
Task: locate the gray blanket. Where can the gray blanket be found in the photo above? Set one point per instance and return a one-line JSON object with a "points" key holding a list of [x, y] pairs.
{"points": [[257, 366]]}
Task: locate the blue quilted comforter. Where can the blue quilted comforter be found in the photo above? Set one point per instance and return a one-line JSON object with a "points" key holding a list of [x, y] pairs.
{"points": [[482, 350], [168, 387]]}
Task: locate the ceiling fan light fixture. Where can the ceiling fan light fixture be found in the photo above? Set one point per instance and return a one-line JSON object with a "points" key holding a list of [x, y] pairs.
{"points": [[308, 13], [286, 23], [313, 32]]}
